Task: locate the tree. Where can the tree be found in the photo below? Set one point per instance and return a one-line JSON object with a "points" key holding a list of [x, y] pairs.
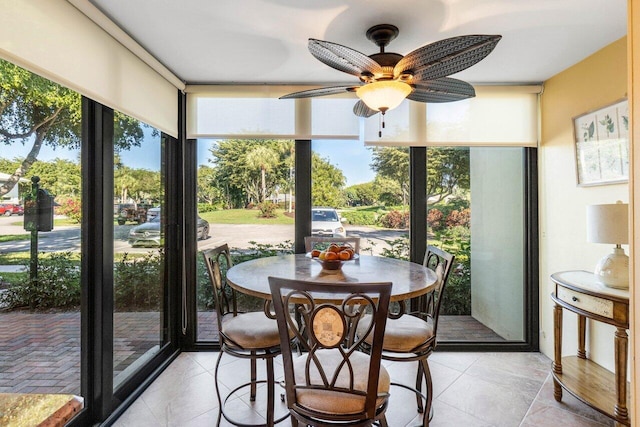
{"points": [[241, 166], [266, 159], [447, 172], [365, 194], [327, 182], [208, 190], [393, 163], [59, 176], [39, 112]]}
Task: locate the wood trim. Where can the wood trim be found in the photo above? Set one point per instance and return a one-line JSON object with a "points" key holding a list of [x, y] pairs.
{"points": [[633, 83]]}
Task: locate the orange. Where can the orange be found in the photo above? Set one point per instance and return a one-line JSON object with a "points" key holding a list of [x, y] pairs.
{"points": [[334, 248], [331, 256], [315, 253], [344, 255]]}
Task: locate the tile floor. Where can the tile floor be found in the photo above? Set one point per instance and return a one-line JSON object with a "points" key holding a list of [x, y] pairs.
{"points": [[470, 389]]}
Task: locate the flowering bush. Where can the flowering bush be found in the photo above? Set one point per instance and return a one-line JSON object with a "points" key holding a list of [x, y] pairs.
{"points": [[71, 208], [395, 219], [434, 219], [459, 218]]}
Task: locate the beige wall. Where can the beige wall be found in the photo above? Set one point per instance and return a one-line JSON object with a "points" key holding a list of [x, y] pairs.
{"points": [[598, 80]]}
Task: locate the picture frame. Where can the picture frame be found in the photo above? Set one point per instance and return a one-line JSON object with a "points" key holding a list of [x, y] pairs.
{"points": [[602, 145]]}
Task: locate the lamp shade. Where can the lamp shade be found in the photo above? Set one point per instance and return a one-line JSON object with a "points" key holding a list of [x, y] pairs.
{"points": [[383, 95], [608, 223]]}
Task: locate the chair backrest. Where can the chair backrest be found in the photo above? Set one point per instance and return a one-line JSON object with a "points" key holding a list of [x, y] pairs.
{"points": [[439, 261], [330, 361], [216, 260], [310, 242]]}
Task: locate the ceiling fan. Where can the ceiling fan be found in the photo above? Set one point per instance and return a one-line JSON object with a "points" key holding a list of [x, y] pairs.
{"points": [[386, 78]]}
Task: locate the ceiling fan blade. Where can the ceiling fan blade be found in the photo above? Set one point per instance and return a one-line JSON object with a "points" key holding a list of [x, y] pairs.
{"points": [[446, 57], [445, 89], [361, 110], [344, 58], [333, 90]]}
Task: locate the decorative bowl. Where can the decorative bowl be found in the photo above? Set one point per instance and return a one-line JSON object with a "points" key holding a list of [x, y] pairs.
{"points": [[331, 266]]}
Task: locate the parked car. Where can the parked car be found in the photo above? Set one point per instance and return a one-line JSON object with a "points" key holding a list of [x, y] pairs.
{"points": [[148, 234], [9, 209], [326, 222], [132, 212], [152, 213]]}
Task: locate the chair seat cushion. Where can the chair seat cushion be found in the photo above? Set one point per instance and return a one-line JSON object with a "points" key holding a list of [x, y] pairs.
{"points": [[337, 402], [251, 330], [403, 334]]}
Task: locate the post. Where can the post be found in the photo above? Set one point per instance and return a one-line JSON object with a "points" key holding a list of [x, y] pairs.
{"points": [[33, 262]]}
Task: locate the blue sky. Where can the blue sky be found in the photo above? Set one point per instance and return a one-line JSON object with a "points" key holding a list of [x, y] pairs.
{"points": [[352, 157]]}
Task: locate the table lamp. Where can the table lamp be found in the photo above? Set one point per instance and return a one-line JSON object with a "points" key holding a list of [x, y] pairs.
{"points": [[609, 224]]}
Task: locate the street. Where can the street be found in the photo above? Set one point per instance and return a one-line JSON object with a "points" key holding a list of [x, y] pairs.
{"points": [[67, 238]]}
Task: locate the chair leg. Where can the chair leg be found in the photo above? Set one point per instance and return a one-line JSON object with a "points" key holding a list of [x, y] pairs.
{"points": [[429, 392], [218, 389], [419, 377], [270, 392], [254, 377]]}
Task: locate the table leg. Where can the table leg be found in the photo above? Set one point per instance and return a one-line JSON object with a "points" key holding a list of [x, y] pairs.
{"points": [[557, 362], [582, 328], [621, 348]]}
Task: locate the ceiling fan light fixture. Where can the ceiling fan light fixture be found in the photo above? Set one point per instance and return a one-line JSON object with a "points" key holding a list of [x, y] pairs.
{"points": [[384, 95]]}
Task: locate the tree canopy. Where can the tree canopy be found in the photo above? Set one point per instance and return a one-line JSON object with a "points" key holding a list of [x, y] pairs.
{"points": [[248, 170], [447, 170], [36, 111]]}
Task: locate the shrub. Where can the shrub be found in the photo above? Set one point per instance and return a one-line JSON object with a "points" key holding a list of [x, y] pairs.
{"points": [[245, 302], [267, 210], [360, 217], [434, 219], [395, 219], [57, 285], [459, 218], [71, 208], [207, 207], [456, 299], [138, 282], [399, 248]]}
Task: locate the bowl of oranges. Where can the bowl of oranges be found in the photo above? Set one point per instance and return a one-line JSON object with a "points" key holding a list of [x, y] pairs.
{"points": [[333, 257]]}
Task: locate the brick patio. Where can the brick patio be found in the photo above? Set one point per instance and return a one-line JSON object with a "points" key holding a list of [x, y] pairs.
{"points": [[40, 352]]}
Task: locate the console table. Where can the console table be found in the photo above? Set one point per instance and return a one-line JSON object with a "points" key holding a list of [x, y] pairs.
{"points": [[580, 293]]}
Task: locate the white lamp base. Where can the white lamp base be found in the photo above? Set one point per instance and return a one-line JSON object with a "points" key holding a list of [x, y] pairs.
{"points": [[613, 270]]}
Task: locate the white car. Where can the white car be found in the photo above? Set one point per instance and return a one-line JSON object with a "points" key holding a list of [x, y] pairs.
{"points": [[326, 222]]}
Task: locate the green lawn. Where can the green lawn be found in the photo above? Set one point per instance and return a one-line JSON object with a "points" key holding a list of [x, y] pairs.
{"points": [[14, 237], [245, 216]]}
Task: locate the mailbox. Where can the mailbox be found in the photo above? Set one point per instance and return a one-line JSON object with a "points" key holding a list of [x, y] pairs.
{"points": [[38, 214]]}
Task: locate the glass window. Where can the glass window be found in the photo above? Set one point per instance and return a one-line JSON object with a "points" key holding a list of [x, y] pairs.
{"points": [[40, 214], [138, 229], [246, 195], [476, 211]]}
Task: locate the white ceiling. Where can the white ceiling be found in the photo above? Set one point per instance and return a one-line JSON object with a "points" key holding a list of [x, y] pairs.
{"points": [[265, 41]]}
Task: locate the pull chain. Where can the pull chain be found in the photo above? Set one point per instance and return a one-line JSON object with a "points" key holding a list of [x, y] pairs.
{"points": [[381, 122]]}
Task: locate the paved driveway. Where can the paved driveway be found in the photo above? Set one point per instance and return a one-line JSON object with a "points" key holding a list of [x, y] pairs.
{"points": [[64, 238]]}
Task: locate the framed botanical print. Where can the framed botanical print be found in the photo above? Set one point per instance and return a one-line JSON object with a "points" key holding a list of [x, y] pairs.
{"points": [[602, 145]]}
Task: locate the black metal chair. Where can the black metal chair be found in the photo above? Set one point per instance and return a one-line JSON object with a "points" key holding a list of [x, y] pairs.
{"points": [[310, 242], [249, 335], [331, 382], [410, 334]]}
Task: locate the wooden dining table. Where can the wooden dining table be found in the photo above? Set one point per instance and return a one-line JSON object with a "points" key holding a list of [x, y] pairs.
{"points": [[409, 279]]}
